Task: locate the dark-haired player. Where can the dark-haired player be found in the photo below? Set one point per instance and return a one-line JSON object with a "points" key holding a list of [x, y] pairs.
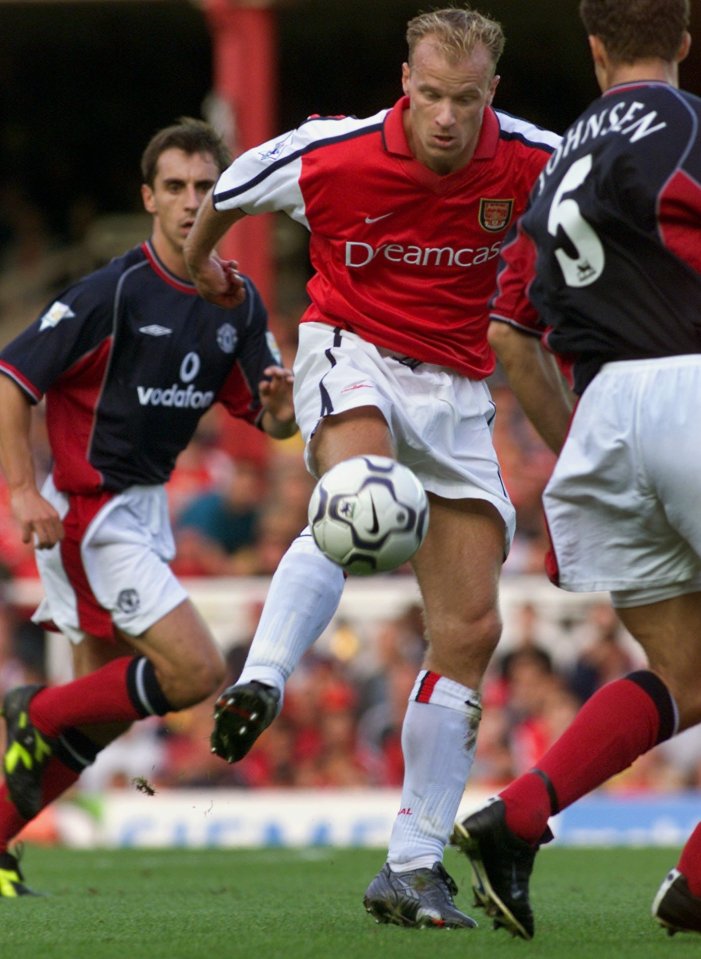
{"points": [[128, 360], [611, 248]]}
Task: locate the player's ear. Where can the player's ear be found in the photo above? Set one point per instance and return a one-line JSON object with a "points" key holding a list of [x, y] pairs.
{"points": [[597, 50], [600, 60], [684, 47], [493, 84], [147, 198], [405, 78]]}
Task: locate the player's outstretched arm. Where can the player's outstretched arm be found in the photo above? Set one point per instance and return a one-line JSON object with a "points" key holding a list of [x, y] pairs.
{"points": [[278, 417], [216, 279], [38, 520], [535, 378]]}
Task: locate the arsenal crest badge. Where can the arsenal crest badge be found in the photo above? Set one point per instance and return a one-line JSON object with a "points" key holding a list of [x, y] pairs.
{"points": [[495, 215]]}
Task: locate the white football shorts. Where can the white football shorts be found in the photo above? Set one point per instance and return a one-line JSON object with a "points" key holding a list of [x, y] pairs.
{"points": [[441, 422], [111, 568], [623, 504]]}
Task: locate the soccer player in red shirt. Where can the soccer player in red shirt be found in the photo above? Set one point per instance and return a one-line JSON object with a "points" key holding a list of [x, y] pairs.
{"points": [[610, 254], [406, 212]]}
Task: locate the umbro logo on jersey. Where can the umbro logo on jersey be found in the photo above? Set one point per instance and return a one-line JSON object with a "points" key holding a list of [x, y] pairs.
{"points": [[376, 219], [57, 311], [155, 330]]}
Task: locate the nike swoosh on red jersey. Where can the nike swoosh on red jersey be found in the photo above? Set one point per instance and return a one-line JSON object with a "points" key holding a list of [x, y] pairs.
{"points": [[374, 219]]}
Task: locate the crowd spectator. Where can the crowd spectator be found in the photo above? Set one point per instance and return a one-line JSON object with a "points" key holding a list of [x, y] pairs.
{"points": [[494, 760], [606, 651], [380, 726], [216, 530], [185, 759], [526, 632], [201, 467]]}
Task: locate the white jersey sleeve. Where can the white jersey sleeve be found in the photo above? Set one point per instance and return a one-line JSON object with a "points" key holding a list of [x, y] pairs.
{"points": [[266, 178]]}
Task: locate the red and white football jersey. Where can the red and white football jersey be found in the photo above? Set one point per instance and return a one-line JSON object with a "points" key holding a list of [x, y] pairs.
{"points": [[402, 256]]}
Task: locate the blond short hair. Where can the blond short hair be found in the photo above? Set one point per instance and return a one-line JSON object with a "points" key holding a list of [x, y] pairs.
{"points": [[456, 31]]}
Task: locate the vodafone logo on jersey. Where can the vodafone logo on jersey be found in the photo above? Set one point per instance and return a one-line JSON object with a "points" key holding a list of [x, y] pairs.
{"points": [[359, 254], [177, 395], [188, 398]]}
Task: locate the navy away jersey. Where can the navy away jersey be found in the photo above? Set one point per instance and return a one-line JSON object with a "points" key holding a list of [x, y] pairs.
{"points": [[610, 248], [129, 359]]}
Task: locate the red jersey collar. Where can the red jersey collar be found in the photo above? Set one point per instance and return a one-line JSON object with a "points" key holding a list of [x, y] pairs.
{"points": [[396, 141]]}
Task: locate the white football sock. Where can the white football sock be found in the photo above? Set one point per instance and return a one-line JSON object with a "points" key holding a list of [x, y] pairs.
{"points": [[304, 595], [439, 736]]}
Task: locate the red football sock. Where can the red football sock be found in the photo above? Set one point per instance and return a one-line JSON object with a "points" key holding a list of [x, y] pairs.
{"points": [[690, 862], [57, 779], [528, 806], [10, 820], [108, 695], [621, 721]]}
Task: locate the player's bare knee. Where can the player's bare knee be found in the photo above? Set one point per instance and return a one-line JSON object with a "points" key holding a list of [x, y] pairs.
{"points": [[209, 674], [479, 642], [479, 633], [461, 648], [355, 432], [191, 682]]}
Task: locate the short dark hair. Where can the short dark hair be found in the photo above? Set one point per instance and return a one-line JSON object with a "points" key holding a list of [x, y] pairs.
{"points": [[190, 136], [637, 29]]}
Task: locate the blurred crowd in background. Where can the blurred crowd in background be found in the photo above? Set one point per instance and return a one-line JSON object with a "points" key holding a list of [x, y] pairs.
{"points": [[237, 500], [341, 721]]}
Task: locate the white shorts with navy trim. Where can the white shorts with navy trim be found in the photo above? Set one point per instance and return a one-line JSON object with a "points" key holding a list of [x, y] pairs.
{"points": [[624, 501], [441, 422]]}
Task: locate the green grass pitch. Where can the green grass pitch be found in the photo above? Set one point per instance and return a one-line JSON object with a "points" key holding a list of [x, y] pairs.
{"points": [[306, 904]]}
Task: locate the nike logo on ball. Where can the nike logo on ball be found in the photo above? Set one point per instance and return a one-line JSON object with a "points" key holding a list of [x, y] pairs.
{"points": [[375, 528]]}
